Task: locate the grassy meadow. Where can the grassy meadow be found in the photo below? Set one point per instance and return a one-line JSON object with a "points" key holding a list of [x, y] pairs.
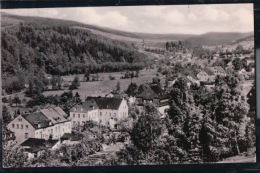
{"points": [[105, 85]]}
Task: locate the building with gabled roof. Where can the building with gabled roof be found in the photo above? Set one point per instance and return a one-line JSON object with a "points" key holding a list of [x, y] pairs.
{"points": [[106, 102], [48, 123], [148, 95], [107, 111], [217, 70], [33, 146], [203, 76]]}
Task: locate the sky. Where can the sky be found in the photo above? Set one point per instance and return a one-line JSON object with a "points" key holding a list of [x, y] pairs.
{"points": [[186, 19]]}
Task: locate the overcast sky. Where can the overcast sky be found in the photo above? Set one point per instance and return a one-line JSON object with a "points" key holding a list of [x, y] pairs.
{"points": [[193, 19]]}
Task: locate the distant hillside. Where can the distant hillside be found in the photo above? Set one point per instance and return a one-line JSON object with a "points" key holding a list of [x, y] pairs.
{"points": [[32, 47], [246, 38], [218, 38], [60, 49], [211, 38]]}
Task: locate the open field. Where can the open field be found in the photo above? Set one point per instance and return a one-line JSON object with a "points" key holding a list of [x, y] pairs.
{"points": [[105, 86]]}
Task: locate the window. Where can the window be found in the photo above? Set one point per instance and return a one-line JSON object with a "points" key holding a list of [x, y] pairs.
{"points": [[73, 115], [83, 115], [100, 113], [26, 126], [17, 126], [79, 115], [20, 119], [21, 126], [26, 135], [13, 125]]}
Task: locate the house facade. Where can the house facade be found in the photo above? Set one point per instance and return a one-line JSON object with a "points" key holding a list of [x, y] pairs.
{"points": [[217, 70], [107, 111], [49, 123], [203, 76], [161, 101]]}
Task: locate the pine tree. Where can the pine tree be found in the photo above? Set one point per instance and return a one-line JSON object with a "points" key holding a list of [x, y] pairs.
{"points": [[147, 129], [192, 128], [181, 117]]}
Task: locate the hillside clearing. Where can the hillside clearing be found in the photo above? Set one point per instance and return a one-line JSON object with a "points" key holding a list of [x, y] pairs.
{"points": [[105, 86]]}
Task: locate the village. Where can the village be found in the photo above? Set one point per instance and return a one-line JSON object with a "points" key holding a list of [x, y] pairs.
{"points": [[107, 115], [78, 93]]}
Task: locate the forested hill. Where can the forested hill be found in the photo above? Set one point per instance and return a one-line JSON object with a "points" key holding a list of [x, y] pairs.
{"points": [[55, 47], [218, 38]]}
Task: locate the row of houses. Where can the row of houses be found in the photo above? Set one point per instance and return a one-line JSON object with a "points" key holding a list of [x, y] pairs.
{"points": [[53, 122], [48, 127]]}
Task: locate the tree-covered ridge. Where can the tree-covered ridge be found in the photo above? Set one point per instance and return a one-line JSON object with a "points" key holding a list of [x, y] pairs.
{"points": [[62, 50]]}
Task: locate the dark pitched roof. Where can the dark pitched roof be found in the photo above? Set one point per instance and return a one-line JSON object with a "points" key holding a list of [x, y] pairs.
{"points": [[42, 118], [98, 103], [106, 102], [37, 119], [148, 94], [89, 105], [85, 106], [34, 144]]}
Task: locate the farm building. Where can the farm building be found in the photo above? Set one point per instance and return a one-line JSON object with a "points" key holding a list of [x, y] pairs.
{"points": [[148, 95], [217, 70], [107, 111], [34, 147], [48, 123]]}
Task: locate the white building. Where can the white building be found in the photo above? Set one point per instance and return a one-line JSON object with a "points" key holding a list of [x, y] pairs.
{"points": [[49, 123], [107, 111]]}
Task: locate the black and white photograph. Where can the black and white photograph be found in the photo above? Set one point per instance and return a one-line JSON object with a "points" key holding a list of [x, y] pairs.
{"points": [[128, 85]]}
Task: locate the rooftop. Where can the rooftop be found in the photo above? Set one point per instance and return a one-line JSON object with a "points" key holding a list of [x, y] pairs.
{"points": [[106, 102], [37, 120], [34, 144], [148, 94], [92, 103], [218, 68], [42, 118]]}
